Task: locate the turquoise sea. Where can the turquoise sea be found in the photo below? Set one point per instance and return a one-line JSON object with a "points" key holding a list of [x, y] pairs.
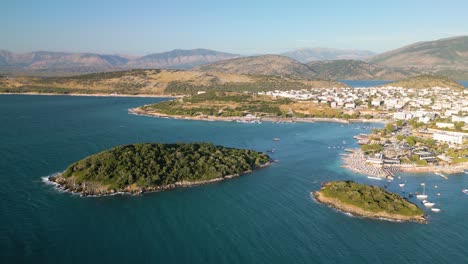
{"points": [[264, 217]]}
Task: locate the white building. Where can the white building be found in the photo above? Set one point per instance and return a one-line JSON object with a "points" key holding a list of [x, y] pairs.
{"points": [[460, 119], [376, 102], [402, 116], [448, 137], [445, 125]]}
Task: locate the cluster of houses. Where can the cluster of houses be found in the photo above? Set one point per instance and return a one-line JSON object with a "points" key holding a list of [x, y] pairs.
{"points": [[423, 105]]}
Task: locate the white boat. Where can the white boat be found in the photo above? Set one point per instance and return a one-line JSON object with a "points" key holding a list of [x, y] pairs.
{"points": [[374, 178], [422, 196], [429, 204], [401, 185], [465, 191], [435, 210]]}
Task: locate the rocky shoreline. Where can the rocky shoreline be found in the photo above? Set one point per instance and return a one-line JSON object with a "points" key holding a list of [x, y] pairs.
{"points": [[94, 95], [356, 211], [98, 190]]}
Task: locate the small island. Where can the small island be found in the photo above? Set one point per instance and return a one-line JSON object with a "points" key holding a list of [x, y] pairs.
{"points": [[368, 201], [147, 167]]}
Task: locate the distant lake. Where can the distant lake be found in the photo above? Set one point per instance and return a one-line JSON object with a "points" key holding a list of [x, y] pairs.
{"points": [[373, 83], [464, 83]]}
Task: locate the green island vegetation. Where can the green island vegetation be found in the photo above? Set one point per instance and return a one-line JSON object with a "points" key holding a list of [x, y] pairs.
{"points": [[368, 201], [143, 167], [234, 104]]}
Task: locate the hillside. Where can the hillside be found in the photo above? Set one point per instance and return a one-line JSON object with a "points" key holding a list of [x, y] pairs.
{"points": [[180, 59], [43, 61], [230, 106], [427, 81], [261, 65], [156, 82], [62, 63], [138, 168], [355, 70], [445, 56], [318, 54]]}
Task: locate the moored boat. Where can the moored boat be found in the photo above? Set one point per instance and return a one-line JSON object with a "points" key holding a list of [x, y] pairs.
{"points": [[422, 196], [435, 210], [428, 204]]}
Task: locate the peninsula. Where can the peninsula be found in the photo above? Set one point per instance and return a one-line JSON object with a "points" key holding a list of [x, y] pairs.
{"points": [[147, 167], [368, 201]]}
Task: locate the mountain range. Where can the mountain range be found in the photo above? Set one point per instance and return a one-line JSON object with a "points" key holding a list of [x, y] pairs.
{"points": [[446, 57], [75, 63], [318, 54]]}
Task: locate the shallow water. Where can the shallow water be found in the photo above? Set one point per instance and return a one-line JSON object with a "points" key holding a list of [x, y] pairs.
{"points": [[264, 217]]}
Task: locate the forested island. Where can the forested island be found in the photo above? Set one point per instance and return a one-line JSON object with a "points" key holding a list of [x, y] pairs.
{"points": [[146, 167], [368, 201]]}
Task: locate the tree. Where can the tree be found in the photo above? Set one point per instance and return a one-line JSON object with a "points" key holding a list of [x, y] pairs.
{"points": [[389, 128]]}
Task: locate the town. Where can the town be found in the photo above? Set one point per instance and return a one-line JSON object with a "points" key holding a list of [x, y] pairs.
{"points": [[426, 130]]}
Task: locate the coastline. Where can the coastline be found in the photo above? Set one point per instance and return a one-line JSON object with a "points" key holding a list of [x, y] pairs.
{"points": [[139, 111], [356, 162], [64, 185], [356, 211], [95, 95]]}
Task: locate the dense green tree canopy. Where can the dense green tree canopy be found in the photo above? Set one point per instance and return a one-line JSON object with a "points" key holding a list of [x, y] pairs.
{"points": [[149, 165]]}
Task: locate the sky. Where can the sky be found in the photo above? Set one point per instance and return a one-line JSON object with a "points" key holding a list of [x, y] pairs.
{"points": [[244, 27]]}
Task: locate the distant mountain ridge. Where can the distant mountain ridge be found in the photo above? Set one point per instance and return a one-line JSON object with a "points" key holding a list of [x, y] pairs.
{"points": [[318, 54], [44, 61], [447, 57], [356, 70], [276, 65], [180, 59]]}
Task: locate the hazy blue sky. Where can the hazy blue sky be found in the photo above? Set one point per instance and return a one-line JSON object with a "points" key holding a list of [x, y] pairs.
{"points": [[247, 27]]}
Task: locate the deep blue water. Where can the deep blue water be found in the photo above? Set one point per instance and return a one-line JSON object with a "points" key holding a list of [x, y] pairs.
{"points": [[264, 217], [371, 83]]}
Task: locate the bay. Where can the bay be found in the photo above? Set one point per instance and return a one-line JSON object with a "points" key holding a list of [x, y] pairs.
{"points": [[264, 217]]}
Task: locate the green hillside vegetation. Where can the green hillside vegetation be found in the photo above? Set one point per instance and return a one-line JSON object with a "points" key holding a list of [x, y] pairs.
{"points": [[427, 81], [221, 104], [370, 198], [151, 165], [233, 104]]}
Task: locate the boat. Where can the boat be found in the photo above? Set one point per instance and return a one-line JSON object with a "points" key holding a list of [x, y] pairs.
{"points": [[401, 185], [422, 196], [276, 139], [465, 191], [435, 210], [428, 204], [441, 175], [374, 178], [410, 195], [438, 194]]}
